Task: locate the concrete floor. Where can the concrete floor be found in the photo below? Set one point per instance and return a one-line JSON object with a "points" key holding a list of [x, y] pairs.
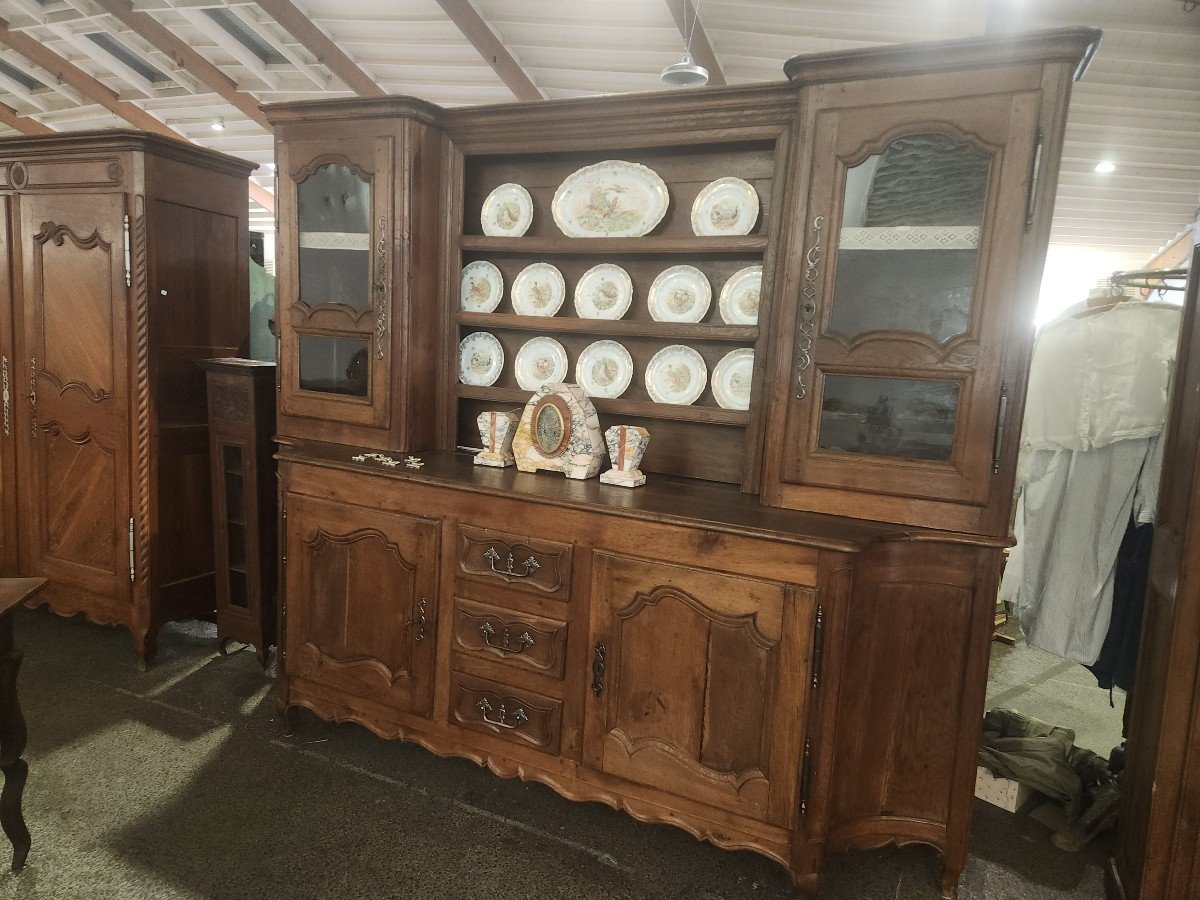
{"points": [[179, 784]]}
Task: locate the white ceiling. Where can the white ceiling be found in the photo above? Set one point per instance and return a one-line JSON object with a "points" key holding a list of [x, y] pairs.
{"points": [[1138, 105]]}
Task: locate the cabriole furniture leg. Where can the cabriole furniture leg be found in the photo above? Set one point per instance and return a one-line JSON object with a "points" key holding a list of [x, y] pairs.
{"points": [[13, 591]]}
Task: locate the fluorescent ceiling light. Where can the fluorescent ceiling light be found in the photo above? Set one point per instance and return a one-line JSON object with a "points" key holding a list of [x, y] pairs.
{"points": [[218, 125], [1104, 167]]}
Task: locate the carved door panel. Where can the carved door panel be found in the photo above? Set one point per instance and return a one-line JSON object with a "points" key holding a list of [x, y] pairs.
{"points": [[73, 391], [335, 283], [905, 299], [699, 684], [362, 601]]}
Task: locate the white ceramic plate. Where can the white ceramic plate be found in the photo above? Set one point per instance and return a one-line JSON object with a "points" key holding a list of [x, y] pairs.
{"points": [[676, 374], [732, 378], [541, 360], [507, 211], [603, 292], [610, 199], [539, 290], [740, 295], [482, 287], [480, 359], [604, 369], [726, 206], [680, 294]]}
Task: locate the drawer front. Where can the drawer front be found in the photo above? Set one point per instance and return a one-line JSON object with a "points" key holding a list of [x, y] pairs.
{"points": [[536, 567], [516, 639], [520, 716]]}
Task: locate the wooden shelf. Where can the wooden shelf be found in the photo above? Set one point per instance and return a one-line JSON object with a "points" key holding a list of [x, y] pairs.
{"points": [[639, 408], [745, 334], [753, 244]]}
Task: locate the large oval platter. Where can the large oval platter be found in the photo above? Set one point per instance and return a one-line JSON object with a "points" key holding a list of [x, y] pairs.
{"points": [[614, 198]]}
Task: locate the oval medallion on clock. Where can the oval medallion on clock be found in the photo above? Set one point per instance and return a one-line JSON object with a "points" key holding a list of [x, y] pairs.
{"points": [[551, 425]]}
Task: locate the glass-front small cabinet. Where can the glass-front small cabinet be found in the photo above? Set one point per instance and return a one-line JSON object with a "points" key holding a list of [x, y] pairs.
{"points": [[896, 385], [335, 281]]}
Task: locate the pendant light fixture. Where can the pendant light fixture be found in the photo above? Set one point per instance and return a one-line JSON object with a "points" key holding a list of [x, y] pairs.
{"points": [[686, 72]]}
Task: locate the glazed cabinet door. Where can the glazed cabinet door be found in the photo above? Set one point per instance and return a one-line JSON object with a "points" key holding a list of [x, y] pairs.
{"points": [[699, 684], [335, 281], [904, 299], [70, 393], [361, 601]]}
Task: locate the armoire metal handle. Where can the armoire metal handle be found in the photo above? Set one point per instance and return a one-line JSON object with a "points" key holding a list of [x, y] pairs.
{"points": [[419, 622], [524, 642], [381, 297], [808, 307], [598, 669], [519, 717]]}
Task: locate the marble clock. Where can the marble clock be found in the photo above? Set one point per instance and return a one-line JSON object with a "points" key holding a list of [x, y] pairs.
{"points": [[559, 432]]}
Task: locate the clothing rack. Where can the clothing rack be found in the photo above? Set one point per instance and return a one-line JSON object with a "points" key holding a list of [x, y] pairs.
{"points": [[1150, 279]]}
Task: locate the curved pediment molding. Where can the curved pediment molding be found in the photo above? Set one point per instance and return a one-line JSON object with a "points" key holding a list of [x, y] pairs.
{"points": [[52, 232]]}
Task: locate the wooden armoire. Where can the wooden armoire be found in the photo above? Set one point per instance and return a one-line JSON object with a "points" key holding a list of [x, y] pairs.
{"points": [[125, 260], [780, 642]]}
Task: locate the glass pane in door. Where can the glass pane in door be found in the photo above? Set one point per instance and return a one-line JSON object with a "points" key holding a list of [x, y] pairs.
{"points": [[899, 417], [909, 242], [334, 365], [333, 214]]}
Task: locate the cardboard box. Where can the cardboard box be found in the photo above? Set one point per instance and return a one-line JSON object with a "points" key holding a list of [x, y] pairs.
{"points": [[1004, 792]]}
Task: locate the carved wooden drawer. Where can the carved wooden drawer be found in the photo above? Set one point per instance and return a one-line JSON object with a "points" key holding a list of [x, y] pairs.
{"points": [[520, 716], [517, 639], [537, 567]]}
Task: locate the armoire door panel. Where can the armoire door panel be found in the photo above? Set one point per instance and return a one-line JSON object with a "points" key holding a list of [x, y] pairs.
{"points": [[904, 298], [696, 668], [75, 416], [362, 600]]}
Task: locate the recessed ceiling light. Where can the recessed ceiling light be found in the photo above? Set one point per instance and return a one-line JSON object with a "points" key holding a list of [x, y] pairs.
{"points": [[218, 125], [1105, 167]]}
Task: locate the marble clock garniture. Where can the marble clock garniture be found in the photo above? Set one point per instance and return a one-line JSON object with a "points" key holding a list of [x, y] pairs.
{"points": [[626, 446], [496, 430]]}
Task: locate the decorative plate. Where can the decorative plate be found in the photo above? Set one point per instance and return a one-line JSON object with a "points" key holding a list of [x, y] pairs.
{"points": [[482, 287], [732, 378], [603, 292], [480, 359], [680, 294], [604, 369], [507, 211], [726, 206], [541, 360], [610, 199], [676, 374], [539, 290], [739, 296]]}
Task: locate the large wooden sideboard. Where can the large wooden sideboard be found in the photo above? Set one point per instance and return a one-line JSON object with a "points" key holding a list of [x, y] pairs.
{"points": [[123, 261], [781, 641]]}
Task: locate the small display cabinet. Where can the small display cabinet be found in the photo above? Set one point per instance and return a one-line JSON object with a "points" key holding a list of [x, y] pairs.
{"points": [[241, 424], [816, 295]]}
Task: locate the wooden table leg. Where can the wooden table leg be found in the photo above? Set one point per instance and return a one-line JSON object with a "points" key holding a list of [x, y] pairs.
{"points": [[12, 747]]}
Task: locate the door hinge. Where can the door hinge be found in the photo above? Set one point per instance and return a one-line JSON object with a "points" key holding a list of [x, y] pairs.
{"points": [[128, 269], [805, 776], [1035, 176], [132, 550], [818, 646], [1001, 414]]}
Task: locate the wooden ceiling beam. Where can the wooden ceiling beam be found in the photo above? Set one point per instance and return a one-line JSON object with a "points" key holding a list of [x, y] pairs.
{"points": [[320, 45], [95, 91], [481, 36], [684, 13], [92, 89], [23, 124], [160, 37]]}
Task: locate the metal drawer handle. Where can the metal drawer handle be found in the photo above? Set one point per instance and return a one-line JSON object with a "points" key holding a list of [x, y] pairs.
{"points": [[419, 622], [808, 307], [493, 556], [598, 669], [519, 716], [525, 640]]}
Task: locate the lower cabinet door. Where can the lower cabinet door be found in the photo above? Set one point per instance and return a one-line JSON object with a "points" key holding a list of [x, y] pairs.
{"points": [[361, 601], [699, 684]]}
